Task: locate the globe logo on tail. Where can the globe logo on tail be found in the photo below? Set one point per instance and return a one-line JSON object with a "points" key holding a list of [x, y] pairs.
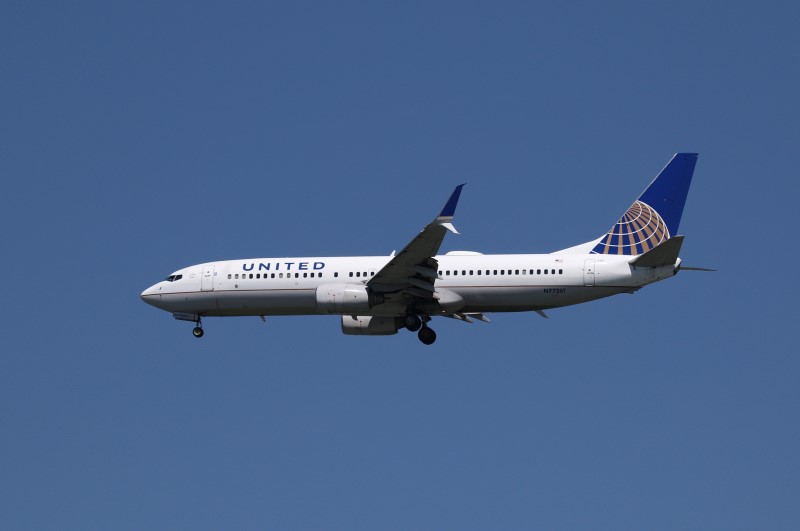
{"points": [[639, 230]]}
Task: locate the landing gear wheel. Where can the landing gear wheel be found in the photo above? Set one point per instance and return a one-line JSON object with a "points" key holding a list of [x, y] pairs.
{"points": [[197, 331], [413, 322], [427, 336]]}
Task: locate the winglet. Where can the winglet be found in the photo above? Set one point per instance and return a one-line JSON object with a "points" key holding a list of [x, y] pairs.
{"points": [[450, 207]]}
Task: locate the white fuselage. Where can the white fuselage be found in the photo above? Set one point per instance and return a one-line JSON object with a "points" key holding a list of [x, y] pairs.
{"points": [[486, 283]]}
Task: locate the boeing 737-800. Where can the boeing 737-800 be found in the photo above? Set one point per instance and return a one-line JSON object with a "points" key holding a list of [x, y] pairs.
{"points": [[379, 295]]}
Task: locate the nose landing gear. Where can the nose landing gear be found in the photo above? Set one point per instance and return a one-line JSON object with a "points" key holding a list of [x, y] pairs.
{"points": [[197, 331]]}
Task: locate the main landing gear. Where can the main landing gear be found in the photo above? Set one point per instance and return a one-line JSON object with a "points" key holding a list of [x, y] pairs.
{"points": [[427, 335], [415, 322]]}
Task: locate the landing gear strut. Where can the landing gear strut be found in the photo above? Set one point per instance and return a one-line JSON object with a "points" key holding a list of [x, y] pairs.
{"points": [[427, 335]]}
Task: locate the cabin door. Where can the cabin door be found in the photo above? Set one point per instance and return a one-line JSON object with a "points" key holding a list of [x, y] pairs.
{"points": [[589, 272], [207, 280]]}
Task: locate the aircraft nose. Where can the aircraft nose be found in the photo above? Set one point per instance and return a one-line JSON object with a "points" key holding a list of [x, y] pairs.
{"points": [[151, 296]]}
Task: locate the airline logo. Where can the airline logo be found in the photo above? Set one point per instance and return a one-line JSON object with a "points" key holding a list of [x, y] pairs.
{"points": [[639, 230], [286, 266]]}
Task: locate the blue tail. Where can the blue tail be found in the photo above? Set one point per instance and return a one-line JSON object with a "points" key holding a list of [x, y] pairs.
{"points": [[655, 216]]}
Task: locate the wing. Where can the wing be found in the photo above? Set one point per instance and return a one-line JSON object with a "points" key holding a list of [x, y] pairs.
{"points": [[413, 271]]}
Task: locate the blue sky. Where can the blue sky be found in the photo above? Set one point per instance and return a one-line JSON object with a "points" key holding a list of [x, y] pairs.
{"points": [[140, 137]]}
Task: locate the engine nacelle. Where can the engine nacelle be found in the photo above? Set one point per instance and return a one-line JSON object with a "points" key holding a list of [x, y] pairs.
{"points": [[346, 298], [371, 325]]}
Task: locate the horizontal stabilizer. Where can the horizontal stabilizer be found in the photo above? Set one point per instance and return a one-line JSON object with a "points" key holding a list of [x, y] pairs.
{"points": [[663, 254]]}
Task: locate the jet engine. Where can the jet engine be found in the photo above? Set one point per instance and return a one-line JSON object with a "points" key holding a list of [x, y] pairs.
{"points": [[346, 298], [371, 325]]}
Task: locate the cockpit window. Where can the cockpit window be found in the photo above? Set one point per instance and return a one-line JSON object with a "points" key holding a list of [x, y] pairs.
{"points": [[173, 278]]}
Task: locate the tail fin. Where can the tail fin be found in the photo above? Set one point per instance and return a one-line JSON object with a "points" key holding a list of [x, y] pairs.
{"points": [[655, 216]]}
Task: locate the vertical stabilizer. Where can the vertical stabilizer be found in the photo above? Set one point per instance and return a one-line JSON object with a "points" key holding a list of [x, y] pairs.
{"points": [[654, 217]]}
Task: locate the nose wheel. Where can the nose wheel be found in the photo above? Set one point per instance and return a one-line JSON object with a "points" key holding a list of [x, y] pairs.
{"points": [[197, 331]]}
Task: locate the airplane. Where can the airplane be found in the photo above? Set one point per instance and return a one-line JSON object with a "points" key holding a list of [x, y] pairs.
{"points": [[380, 295]]}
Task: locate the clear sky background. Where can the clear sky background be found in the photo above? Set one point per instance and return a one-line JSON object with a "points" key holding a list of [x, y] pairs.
{"points": [[140, 137]]}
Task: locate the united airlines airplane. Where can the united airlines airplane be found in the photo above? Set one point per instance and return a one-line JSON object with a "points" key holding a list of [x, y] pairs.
{"points": [[379, 295]]}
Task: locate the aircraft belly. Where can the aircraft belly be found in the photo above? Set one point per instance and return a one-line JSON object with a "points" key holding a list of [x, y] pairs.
{"points": [[250, 302], [269, 302], [520, 299]]}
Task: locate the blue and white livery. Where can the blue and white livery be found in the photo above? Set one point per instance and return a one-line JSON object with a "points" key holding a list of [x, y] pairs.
{"points": [[379, 295]]}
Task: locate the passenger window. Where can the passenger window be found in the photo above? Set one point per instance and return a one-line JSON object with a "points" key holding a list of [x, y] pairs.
{"points": [[470, 272], [297, 275], [495, 271], [560, 271], [516, 272], [545, 271], [237, 276], [358, 273], [280, 276], [553, 271], [272, 275], [351, 273], [463, 271], [538, 271], [229, 276], [336, 275], [502, 271], [455, 272], [447, 272], [479, 272], [305, 275]]}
